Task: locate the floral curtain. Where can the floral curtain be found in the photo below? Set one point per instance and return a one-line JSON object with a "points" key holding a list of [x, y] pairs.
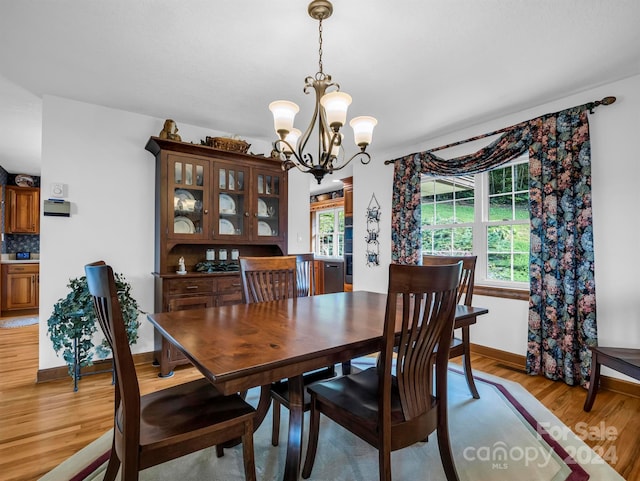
{"points": [[562, 303], [562, 322]]}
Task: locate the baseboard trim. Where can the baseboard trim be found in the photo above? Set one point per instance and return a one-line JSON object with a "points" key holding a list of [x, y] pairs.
{"points": [[519, 362], [62, 372]]}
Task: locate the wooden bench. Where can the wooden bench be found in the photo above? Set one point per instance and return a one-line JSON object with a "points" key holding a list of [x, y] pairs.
{"points": [[624, 360]]}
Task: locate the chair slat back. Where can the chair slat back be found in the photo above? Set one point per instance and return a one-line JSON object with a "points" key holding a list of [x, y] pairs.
{"points": [[102, 287], [268, 278], [423, 299], [467, 279], [306, 274]]}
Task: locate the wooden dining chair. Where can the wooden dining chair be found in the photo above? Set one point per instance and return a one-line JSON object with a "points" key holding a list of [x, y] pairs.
{"points": [[269, 279], [163, 425], [461, 346], [399, 403], [306, 274]]}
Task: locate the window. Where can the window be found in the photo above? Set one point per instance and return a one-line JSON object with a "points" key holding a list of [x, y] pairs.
{"points": [[486, 214], [329, 239]]}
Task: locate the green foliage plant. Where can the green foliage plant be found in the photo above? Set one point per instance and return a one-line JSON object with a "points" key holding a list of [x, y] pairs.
{"points": [[74, 318]]}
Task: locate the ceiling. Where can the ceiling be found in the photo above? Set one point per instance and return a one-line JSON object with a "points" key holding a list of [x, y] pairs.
{"points": [[423, 68]]}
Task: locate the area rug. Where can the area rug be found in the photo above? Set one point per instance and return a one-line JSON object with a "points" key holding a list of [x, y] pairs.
{"points": [[18, 322], [505, 435]]}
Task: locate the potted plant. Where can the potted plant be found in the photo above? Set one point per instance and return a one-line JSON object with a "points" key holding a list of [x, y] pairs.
{"points": [[72, 324]]}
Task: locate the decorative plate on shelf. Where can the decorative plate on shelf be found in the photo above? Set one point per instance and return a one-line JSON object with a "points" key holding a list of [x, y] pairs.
{"points": [[264, 229], [262, 208], [183, 225], [227, 205], [226, 227], [184, 200]]}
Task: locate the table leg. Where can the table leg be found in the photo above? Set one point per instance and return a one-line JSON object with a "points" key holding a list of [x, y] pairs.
{"points": [[466, 359], [294, 444], [263, 406]]}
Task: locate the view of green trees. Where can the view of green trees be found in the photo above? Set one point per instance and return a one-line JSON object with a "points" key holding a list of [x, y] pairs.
{"points": [[507, 245]]}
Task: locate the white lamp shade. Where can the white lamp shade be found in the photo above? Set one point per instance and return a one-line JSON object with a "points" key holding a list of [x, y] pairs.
{"points": [[292, 138], [363, 129], [335, 105], [283, 114]]}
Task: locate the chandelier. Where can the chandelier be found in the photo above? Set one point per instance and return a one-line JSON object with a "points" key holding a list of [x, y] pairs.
{"points": [[328, 118]]}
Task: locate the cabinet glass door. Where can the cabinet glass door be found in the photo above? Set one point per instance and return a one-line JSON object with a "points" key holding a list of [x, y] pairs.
{"points": [[231, 199], [189, 204], [268, 208]]}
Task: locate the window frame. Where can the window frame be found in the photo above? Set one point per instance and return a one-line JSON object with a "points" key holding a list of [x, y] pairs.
{"points": [[338, 235], [480, 225]]}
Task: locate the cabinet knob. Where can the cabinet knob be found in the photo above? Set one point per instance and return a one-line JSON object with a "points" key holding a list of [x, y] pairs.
{"points": [[246, 214], [206, 211]]}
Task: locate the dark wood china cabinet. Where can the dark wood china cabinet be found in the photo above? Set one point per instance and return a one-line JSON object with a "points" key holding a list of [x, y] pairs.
{"points": [[217, 201]]}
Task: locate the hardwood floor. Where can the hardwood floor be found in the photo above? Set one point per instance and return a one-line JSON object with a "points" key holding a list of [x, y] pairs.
{"points": [[43, 424]]}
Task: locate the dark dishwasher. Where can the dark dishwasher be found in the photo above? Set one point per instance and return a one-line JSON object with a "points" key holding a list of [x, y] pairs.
{"points": [[333, 272]]}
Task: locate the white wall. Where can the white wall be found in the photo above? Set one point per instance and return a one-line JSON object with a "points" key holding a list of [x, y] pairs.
{"points": [[99, 154], [616, 173]]}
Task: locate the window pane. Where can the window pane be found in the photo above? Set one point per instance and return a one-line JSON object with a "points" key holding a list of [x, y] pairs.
{"points": [[444, 212], [464, 211], [442, 240], [330, 229], [499, 238], [462, 241], [500, 181], [428, 213], [499, 267], [521, 267], [500, 207], [521, 236], [521, 182], [521, 206]]}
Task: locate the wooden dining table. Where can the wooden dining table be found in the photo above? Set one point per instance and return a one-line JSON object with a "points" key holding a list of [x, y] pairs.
{"points": [[243, 346]]}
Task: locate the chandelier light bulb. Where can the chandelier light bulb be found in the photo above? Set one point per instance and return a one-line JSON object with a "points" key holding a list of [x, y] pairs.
{"points": [[335, 105], [363, 130], [284, 112]]}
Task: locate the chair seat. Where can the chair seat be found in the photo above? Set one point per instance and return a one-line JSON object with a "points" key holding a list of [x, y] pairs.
{"points": [[184, 411], [358, 394]]}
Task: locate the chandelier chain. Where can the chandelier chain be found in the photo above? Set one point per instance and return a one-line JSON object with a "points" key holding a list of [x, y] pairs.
{"points": [[320, 45]]}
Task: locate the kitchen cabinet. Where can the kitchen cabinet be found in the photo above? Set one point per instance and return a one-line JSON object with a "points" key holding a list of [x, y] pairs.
{"points": [[20, 286], [348, 196], [22, 210], [197, 291]]}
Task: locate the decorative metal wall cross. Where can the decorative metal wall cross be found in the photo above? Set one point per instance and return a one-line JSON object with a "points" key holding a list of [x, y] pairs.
{"points": [[373, 231]]}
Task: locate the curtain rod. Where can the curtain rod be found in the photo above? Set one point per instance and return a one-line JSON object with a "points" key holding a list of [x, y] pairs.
{"points": [[590, 106]]}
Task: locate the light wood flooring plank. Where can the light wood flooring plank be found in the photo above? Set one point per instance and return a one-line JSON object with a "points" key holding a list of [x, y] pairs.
{"points": [[43, 424]]}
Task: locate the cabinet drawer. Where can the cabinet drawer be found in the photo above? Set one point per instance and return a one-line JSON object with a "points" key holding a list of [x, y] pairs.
{"points": [[229, 291], [23, 268], [228, 284], [190, 286]]}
